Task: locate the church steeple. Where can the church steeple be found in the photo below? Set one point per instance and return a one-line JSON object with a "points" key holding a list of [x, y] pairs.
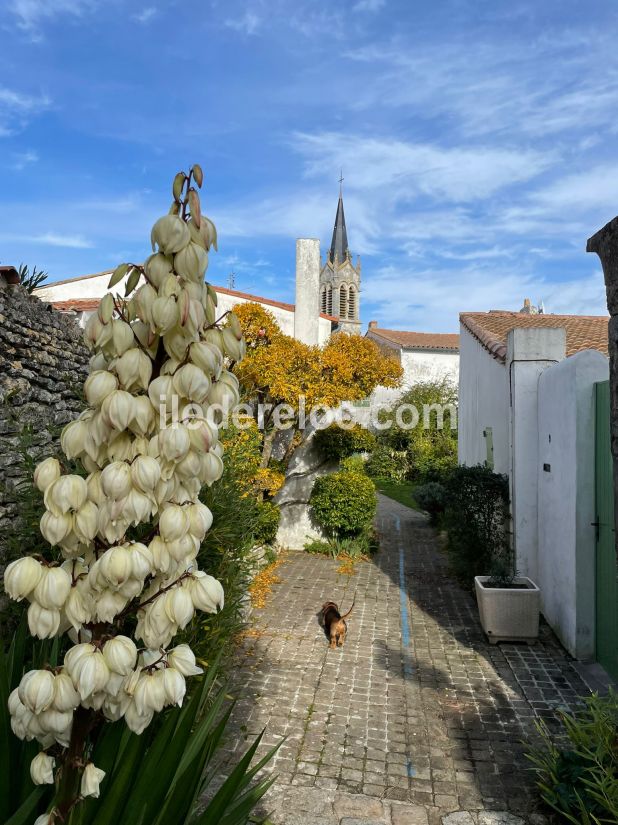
{"points": [[339, 245]]}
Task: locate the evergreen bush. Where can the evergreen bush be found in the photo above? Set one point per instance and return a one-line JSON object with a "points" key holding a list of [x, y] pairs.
{"points": [[344, 503], [477, 520], [336, 443], [384, 462], [432, 498]]}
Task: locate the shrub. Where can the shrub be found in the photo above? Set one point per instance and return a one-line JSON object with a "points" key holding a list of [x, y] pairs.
{"points": [[429, 450], [580, 780], [384, 462], [343, 503], [336, 443], [267, 482], [432, 498], [476, 518], [352, 547], [267, 522], [353, 464]]}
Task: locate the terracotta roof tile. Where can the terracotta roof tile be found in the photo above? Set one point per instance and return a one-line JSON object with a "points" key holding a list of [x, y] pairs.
{"points": [[491, 329], [77, 305], [417, 340]]}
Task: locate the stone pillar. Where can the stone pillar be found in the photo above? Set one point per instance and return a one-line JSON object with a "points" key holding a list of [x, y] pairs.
{"points": [[605, 244], [307, 311]]}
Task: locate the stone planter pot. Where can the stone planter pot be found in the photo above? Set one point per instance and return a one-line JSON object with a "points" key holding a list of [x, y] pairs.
{"points": [[509, 614]]}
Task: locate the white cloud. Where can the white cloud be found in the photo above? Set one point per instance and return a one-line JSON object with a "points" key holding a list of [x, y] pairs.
{"points": [[51, 239], [460, 173], [30, 14], [247, 24], [368, 5], [146, 15], [23, 159], [431, 300], [17, 108], [535, 88]]}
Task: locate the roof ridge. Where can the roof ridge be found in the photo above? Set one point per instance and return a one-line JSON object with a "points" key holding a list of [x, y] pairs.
{"points": [[491, 329]]}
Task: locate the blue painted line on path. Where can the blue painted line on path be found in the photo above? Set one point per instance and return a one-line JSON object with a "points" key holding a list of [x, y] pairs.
{"points": [[405, 621]]}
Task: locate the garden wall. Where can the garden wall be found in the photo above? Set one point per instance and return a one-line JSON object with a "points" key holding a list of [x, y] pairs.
{"points": [[43, 363], [566, 498]]}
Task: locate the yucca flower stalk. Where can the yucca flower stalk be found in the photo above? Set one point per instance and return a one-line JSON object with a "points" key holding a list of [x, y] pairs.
{"points": [[121, 576]]}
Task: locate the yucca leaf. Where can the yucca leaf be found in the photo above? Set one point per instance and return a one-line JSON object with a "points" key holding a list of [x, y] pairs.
{"points": [[186, 781], [218, 805], [118, 792], [242, 807], [105, 756], [29, 809], [6, 736]]}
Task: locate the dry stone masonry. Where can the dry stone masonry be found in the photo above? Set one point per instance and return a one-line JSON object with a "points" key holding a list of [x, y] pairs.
{"points": [[43, 364]]}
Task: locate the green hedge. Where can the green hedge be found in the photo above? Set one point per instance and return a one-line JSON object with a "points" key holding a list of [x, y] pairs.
{"points": [[337, 443], [385, 462], [344, 503], [267, 522], [476, 518]]}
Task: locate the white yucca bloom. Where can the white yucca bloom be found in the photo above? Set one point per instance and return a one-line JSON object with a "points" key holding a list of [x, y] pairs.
{"points": [[42, 769], [91, 779], [142, 467]]}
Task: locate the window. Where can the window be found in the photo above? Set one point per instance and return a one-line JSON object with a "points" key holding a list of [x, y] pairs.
{"points": [[352, 303], [329, 300], [323, 300], [343, 301]]}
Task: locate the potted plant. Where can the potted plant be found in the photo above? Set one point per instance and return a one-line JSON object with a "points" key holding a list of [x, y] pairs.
{"points": [[509, 604]]}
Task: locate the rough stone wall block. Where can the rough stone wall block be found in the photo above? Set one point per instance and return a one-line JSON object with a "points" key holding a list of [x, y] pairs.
{"points": [[43, 364], [605, 244]]}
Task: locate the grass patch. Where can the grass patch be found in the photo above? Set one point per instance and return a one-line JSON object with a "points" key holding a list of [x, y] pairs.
{"points": [[401, 491]]}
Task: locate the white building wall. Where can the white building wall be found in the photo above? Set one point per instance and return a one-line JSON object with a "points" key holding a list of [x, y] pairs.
{"points": [[483, 404], [95, 287], [566, 493], [284, 317], [417, 366], [529, 353], [89, 288]]}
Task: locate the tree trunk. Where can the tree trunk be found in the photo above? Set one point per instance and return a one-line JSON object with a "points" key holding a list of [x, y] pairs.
{"points": [[267, 447]]}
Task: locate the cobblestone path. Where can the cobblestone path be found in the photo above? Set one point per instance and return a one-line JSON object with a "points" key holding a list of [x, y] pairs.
{"points": [[417, 720]]}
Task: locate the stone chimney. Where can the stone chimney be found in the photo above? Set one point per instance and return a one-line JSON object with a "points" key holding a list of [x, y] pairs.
{"points": [[372, 325], [307, 310]]}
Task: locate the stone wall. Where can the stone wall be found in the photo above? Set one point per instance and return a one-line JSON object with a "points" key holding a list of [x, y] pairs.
{"points": [[605, 244], [43, 364]]}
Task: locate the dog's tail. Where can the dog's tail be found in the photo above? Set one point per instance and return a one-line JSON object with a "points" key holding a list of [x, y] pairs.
{"points": [[345, 616]]}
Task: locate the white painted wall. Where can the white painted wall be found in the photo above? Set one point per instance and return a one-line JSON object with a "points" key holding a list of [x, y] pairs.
{"points": [[429, 366], [529, 353], [566, 493], [417, 366], [483, 403], [96, 286], [93, 286]]}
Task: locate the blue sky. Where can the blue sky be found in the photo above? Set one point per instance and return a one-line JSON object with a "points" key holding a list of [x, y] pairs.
{"points": [[478, 141]]}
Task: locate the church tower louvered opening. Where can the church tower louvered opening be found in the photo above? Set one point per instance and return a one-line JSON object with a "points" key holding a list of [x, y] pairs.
{"points": [[340, 278]]}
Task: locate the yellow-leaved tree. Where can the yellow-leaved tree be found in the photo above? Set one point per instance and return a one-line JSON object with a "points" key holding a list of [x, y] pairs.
{"points": [[278, 369]]}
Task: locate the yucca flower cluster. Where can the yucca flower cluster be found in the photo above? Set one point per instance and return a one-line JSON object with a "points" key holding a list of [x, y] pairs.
{"points": [[125, 536]]}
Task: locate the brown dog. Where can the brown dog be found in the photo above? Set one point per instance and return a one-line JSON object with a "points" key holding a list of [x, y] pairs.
{"points": [[334, 623]]}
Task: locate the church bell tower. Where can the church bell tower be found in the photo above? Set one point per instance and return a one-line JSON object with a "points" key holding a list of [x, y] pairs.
{"points": [[340, 279]]}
